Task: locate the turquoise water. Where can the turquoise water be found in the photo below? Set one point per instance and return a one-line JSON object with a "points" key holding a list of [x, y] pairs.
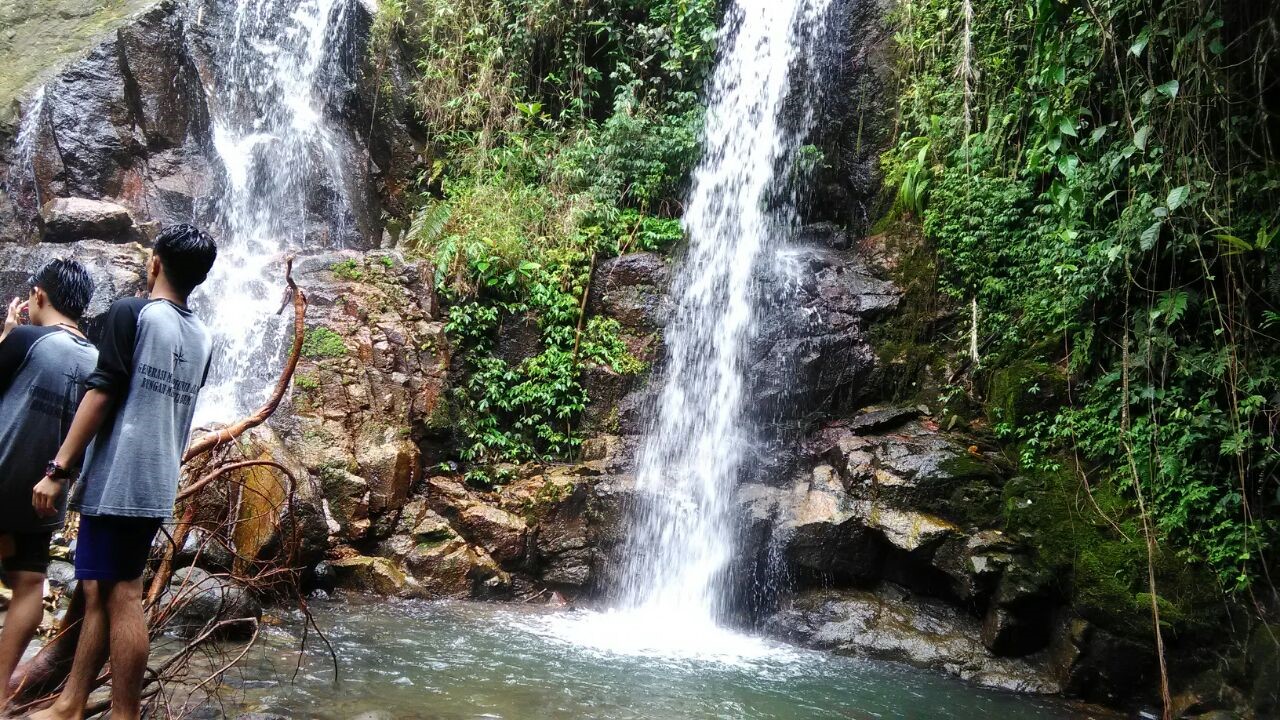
{"points": [[465, 661]]}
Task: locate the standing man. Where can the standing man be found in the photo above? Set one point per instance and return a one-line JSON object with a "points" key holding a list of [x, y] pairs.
{"points": [[153, 359], [43, 367]]}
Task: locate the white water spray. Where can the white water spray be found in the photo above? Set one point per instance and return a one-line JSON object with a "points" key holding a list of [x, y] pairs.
{"points": [[24, 150], [274, 77]]}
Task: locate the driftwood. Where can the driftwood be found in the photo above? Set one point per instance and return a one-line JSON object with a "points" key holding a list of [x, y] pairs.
{"points": [[37, 680]]}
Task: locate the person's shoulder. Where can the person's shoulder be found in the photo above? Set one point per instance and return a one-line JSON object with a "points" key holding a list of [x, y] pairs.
{"points": [[129, 304], [28, 334]]}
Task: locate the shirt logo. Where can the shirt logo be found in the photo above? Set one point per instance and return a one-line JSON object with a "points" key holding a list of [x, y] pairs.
{"points": [[179, 358]]}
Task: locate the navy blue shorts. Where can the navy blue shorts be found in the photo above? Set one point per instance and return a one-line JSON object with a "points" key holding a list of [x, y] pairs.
{"points": [[111, 548]]}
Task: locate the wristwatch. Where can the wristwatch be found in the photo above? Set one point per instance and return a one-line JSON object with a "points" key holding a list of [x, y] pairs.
{"points": [[54, 471]]}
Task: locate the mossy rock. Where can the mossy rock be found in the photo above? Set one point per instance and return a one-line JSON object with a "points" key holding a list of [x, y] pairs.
{"points": [[1023, 389]]}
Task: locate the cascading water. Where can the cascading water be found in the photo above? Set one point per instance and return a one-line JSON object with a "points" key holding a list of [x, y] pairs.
{"points": [[682, 535], [23, 175], [275, 74]]}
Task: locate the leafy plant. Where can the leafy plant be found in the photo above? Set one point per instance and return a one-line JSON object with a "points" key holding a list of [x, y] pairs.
{"points": [[321, 342]]}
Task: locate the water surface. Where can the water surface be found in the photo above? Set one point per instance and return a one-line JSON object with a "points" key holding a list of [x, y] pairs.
{"points": [[465, 661]]}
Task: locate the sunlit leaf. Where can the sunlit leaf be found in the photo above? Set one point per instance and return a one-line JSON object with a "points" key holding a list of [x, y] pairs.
{"points": [[1169, 89], [1149, 236], [1177, 197], [1140, 42]]}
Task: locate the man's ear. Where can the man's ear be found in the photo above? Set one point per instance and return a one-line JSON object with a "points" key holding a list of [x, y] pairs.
{"points": [[39, 298]]}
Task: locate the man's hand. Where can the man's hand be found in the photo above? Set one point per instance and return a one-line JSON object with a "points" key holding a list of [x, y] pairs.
{"points": [[44, 497], [14, 318]]}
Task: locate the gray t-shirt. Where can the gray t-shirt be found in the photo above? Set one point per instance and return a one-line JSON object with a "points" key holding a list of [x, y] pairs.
{"points": [[153, 358], [42, 375]]}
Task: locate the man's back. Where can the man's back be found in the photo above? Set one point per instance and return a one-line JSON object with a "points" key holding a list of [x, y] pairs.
{"points": [[154, 358], [42, 370]]}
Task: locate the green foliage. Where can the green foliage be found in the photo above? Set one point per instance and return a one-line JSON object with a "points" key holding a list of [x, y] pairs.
{"points": [[305, 382], [564, 134], [347, 270], [1097, 177], [321, 342]]}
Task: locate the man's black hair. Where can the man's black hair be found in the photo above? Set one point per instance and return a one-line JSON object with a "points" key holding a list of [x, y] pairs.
{"points": [[67, 284], [186, 252]]}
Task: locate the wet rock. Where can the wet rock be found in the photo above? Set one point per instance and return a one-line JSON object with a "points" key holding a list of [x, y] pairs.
{"points": [[369, 574], [203, 600], [347, 496], [497, 531], [809, 355], [162, 78], [632, 289], [454, 568], [1018, 620], [1098, 666], [918, 469], [61, 574], [889, 624], [390, 470], [74, 218], [205, 550], [519, 338], [91, 117]]}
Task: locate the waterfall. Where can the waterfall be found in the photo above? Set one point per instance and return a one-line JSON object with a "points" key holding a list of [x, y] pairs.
{"points": [[276, 71], [24, 152], [739, 211]]}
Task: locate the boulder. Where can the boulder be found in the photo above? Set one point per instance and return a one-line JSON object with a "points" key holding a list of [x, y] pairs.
{"points": [[74, 218], [369, 575], [390, 469], [454, 568], [205, 550], [204, 600], [499, 532], [889, 624]]}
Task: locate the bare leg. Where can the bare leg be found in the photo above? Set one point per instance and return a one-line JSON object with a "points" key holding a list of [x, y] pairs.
{"points": [[25, 611], [91, 654], [130, 645], [45, 672]]}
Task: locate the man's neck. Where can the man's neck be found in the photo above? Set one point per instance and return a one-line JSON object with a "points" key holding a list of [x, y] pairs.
{"points": [[162, 290], [53, 318]]}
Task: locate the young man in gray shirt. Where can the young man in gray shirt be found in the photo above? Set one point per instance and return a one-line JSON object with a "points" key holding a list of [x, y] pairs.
{"points": [[152, 361], [43, 367]]}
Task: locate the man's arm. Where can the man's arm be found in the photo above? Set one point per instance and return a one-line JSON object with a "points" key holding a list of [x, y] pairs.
{"points": [[93, 411]]}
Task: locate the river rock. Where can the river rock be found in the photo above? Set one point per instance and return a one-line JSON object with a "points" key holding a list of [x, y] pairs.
{"points": [[500, 533], [203, 599], [369, 575], [390, 469], [890, 624]]}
